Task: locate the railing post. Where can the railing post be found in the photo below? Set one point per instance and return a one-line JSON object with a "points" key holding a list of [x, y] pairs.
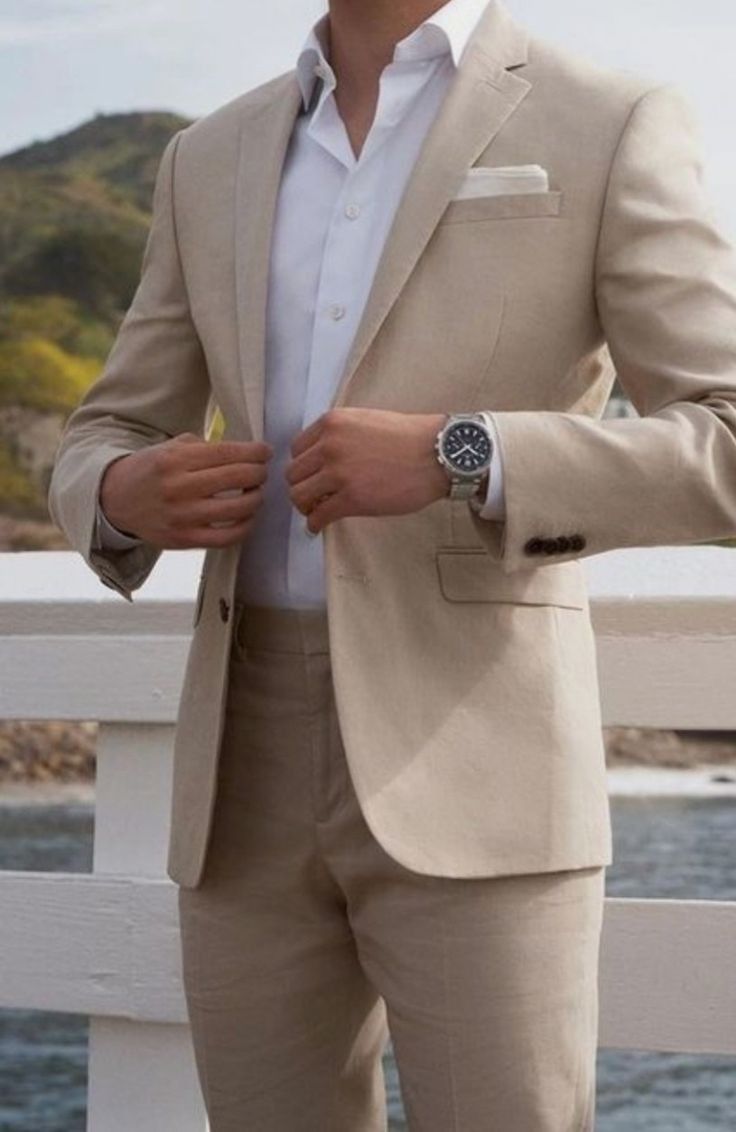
{"points": [[141, 1074]]}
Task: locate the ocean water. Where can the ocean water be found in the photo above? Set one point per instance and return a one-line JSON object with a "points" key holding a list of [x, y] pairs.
{"points": [[671, 847]]}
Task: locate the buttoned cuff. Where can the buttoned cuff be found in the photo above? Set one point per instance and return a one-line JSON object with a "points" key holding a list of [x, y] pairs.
{"points": [[108, 537]]}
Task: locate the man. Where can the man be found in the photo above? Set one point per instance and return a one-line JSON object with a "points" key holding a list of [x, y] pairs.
{"points": [[406, 271]]}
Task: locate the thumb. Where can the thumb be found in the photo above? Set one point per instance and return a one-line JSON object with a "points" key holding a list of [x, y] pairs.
{"points": [[187, 437]]}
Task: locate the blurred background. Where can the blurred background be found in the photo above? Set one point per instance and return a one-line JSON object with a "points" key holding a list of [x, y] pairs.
{"points": [[90, 92]]}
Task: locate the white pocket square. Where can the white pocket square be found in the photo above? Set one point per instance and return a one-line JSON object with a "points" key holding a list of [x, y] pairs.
{"points": [[499, 180]]}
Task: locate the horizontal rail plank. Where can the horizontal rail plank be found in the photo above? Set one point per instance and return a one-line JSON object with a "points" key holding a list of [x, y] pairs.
{"points": [[671, 682], [70, 648], [668, 976], [91, 944], [118, 678], [109, 946], [674, 682]]}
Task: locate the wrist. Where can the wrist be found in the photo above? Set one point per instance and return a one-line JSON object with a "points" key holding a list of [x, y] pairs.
{"points": [[108, 495], [437, 477]]}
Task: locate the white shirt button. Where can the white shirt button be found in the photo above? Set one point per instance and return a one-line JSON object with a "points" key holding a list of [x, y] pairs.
{"points": [[352, 211], [320, 71], [337, 311]]}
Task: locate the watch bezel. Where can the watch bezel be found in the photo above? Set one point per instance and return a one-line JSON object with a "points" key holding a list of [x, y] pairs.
{"points": [[457, 476]]}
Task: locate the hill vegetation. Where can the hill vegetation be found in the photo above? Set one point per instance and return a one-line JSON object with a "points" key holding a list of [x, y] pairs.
{"points": [[74, 216]]}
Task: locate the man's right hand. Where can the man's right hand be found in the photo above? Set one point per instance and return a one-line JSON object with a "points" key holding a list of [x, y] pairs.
{"points": [[166, 493]]}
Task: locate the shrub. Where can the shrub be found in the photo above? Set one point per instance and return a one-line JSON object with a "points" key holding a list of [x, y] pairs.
{"points": [[38, 374]]}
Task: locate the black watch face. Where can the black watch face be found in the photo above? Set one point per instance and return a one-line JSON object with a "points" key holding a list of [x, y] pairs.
{"points": [[467, 447]]}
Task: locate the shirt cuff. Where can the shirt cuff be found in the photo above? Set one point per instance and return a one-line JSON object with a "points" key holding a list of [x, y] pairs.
{"points": [[109, 537], [493, 506]]}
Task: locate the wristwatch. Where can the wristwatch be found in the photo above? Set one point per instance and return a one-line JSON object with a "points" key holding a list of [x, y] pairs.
{"points": [[464, 448]]}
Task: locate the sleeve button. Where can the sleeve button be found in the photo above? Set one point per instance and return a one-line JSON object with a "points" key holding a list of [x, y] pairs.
{"points": [[563, 544], [534, 546], [577, 542], [224, 609]]}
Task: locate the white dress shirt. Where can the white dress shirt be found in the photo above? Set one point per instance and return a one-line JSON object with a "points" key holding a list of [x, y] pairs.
{"points": [[333, 214]]}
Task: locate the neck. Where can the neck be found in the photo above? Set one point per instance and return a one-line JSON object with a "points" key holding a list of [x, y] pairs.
{"points": [[362, 36]]}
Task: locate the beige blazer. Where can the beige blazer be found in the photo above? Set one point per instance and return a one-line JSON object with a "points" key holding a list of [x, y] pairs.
{"points": [[464, 658]]}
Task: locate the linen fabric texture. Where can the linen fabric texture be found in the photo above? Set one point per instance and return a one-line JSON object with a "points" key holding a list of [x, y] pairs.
{"points": [[462, 649], [305, 943]]}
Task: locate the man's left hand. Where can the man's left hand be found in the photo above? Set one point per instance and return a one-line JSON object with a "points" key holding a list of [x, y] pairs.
{"points": [[354, 461]]}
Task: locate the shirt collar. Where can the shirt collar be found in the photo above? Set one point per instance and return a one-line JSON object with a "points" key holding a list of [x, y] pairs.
{"points": [[446, 31], [313, 55]]}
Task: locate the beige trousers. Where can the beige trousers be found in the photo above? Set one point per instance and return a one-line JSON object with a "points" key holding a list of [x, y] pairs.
{"points": [[306, 943]]}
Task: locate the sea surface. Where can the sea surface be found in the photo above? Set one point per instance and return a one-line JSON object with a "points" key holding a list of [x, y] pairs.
{"points": [[674, 847]]}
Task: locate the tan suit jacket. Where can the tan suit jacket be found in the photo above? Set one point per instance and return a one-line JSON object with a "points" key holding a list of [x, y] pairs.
{"points": [[464, 658]]}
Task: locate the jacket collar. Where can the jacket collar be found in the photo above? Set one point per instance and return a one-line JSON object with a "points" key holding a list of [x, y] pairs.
{"points": [[446, 32], [483, 95]]}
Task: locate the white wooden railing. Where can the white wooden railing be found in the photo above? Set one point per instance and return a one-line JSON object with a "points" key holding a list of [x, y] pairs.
{"points": [[105, 944]]}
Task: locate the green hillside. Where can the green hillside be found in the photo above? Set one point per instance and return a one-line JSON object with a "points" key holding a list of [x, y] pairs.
{"points": [[74, 215]]}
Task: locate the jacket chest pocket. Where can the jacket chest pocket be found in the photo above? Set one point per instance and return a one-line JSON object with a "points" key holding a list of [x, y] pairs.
{"points": [[506, 206]]}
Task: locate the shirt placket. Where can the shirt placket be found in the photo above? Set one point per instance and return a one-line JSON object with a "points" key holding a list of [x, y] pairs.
{"points": [[338, 308], [342, 287]]}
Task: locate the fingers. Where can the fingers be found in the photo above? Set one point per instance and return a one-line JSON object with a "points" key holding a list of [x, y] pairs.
{"points": [[305, 494], [214, 522], [305, 465], [197, 453], [231, 509], [248, 451], [229, 477], [318, 488], [331, 508], [305, 439], [207, 536]]}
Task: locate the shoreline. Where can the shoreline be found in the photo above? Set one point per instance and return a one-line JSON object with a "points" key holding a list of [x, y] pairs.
{"points": [[46, 793], [712, 781], [715, 781]]}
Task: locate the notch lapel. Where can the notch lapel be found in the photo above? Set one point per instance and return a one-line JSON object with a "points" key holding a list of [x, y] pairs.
{"points": [[483, 95], [262, 149]]}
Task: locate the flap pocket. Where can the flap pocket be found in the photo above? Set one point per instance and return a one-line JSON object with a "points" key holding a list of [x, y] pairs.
{"points": [[504, 206], [471, 575]]}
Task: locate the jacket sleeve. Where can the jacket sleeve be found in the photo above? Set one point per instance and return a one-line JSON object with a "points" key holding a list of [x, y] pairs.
{"points": [[665, 280], [154, 385]]}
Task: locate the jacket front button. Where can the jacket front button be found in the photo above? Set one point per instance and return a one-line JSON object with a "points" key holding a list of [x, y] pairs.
{"points": [[224, 609]]}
